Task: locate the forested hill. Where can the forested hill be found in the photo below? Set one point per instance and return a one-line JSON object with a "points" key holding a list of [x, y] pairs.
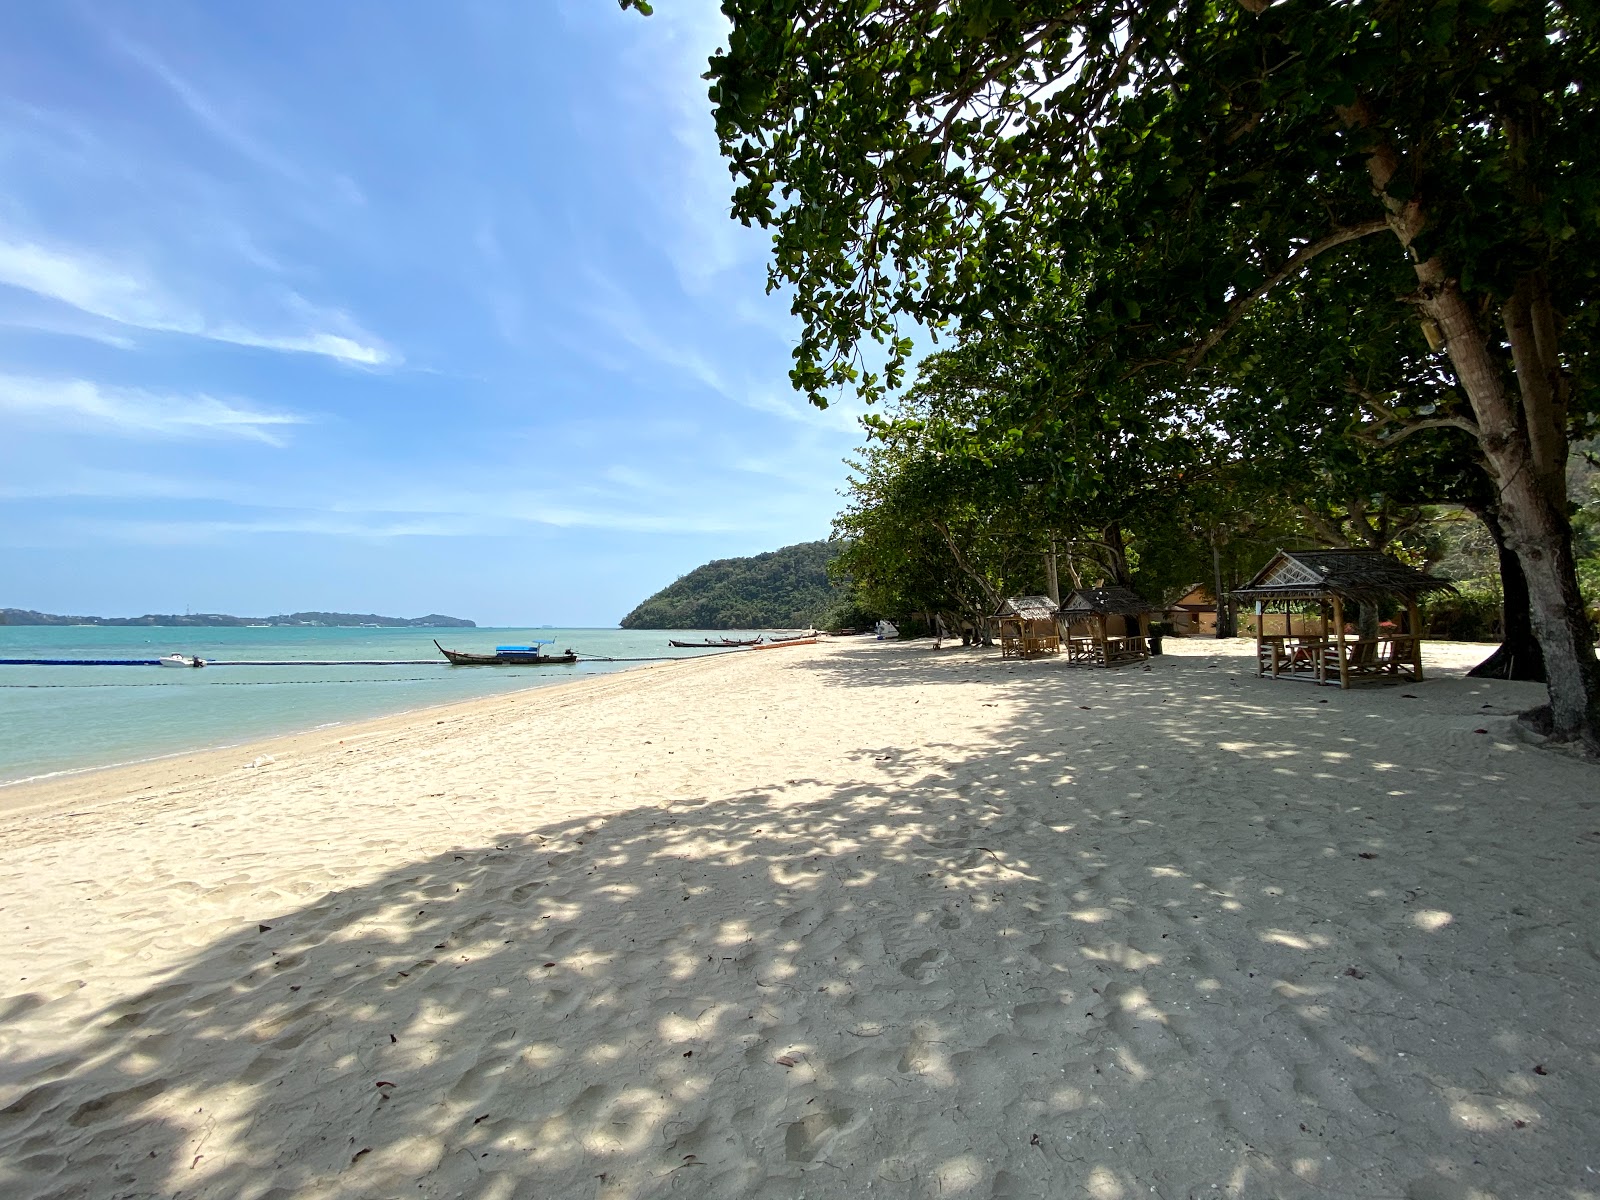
{"points": [[783, 589]]}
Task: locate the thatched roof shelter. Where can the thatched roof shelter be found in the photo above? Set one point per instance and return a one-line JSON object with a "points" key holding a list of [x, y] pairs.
{"points": [[1359, 576], [1027, 626], [1105, 601], [1095, 607], [1029, 608], [1324, 578]]}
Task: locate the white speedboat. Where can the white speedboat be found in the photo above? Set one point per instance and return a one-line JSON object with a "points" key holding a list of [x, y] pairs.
{"points": [[180, 660]]}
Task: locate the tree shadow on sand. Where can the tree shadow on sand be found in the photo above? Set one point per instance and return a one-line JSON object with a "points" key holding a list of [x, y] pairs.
{"points": [[1093, 961]]}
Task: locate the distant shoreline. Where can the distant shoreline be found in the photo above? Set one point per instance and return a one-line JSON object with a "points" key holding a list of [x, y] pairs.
{"points": [[301, 620]]}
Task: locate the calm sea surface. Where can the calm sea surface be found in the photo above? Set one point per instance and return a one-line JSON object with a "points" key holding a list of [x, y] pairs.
{"points": [[55, 719]]}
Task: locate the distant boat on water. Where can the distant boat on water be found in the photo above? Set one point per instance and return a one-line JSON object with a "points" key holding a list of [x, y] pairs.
{"points": [[508, 656], [180, 660]]}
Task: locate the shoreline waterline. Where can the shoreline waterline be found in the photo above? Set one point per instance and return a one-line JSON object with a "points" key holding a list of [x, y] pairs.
{"points": [[56, 719], [114, 780]]}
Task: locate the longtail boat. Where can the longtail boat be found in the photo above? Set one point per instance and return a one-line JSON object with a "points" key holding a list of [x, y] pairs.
{"points": [[804, 639], [708, 644], [508, 656]]}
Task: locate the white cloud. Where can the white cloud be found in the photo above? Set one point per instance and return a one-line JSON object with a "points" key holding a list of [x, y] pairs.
{"points": [[81, 405], [102, 289]]}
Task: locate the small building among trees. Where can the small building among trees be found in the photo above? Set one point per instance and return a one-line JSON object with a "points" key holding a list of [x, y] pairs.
{"points": [[1106, 626], [1193, 614], [1304, 600], [1026, 627]]}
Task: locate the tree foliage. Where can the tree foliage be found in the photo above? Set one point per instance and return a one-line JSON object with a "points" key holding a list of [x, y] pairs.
{"points": [[1137, 178]]}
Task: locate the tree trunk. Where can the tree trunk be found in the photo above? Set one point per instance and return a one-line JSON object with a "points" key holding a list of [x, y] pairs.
{"points": [[1367, 621], [1224, 609], [1519, 656], [1535, 526], [1523, 441], [1117, 555]]}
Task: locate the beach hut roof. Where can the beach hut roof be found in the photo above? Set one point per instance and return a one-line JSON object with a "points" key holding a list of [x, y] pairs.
{"points": [[1359, 575], [1107, 601], [1029, 608]]}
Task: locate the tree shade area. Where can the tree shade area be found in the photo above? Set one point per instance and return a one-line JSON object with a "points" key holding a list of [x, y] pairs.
{"points": [[782, 589], [1201, 269]]}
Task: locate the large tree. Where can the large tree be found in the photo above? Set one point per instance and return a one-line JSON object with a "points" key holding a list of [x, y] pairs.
{"points": [[1167, 165]]}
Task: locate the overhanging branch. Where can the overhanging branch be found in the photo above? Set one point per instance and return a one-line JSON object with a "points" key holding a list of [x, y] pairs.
{"points": [[1299, 259]]}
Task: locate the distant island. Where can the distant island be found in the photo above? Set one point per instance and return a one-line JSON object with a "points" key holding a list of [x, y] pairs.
{"points": [[782, 589], [314, 620]]}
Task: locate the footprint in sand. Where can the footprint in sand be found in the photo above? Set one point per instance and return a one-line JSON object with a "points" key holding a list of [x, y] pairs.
{"points": [[521, 893], [921, 1056], [924, 968], [478, 1083], [954, 917], [113, 1104], [807, 1139]]}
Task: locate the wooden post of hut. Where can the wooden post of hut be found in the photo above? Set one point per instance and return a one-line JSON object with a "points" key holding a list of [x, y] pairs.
{"points": [[1336, 578], [1322, 656], [1344, 651], [1414, 615]]}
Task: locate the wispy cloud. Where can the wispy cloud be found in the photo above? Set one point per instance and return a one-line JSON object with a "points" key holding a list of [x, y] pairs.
{"points": [[102, 289], [377, 525], [622, 314], [198, 532], [670, 59], [81, 405], [231, 129]]}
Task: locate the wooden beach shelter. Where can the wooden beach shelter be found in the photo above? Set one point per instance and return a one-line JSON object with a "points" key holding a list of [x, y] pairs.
{"points": [[1106, 626], [1309, 594], [1026, 627]]}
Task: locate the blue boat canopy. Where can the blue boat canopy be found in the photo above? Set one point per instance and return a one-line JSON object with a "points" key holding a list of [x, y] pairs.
{"points": [[530, 649]]}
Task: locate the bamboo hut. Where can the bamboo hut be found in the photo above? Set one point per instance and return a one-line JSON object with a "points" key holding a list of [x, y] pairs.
{"points": [[1308, 595], [1026, 627], [1106, 626]]}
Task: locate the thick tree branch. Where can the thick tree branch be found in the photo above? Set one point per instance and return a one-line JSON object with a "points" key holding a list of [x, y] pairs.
{"points": [[961, 561], [1299, 259], [1391, 427]]}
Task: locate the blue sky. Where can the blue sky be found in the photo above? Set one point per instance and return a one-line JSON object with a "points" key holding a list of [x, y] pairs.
{"points": [[400, 307]]}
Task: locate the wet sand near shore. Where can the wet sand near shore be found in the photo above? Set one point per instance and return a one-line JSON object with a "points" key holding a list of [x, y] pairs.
{"points": [[845, 919]]}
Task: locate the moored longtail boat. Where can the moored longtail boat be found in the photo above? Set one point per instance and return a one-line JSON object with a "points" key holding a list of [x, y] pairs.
{"points": [[804, 639], [508, 656]]}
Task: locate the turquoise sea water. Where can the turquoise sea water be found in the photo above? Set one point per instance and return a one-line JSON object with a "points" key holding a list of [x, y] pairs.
{"points": [[55, 719]]}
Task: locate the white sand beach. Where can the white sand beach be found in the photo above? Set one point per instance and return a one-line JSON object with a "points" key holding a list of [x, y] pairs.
{"points": [[830, 921]]}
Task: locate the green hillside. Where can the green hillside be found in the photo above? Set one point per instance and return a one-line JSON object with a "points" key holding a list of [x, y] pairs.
{"points": [[783, 589]]}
